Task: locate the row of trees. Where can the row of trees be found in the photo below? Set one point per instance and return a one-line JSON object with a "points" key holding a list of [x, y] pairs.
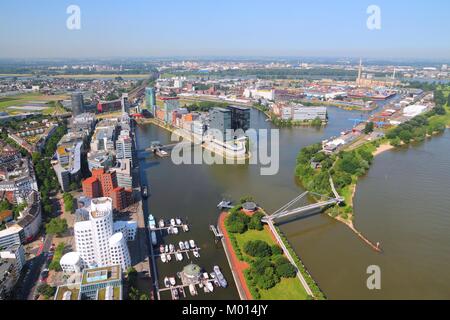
{"points": [[268, 266], [45, 174], [133, 292]]}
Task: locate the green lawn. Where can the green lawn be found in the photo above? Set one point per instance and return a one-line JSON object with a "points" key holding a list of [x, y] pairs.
{"points": [[287, 289]]}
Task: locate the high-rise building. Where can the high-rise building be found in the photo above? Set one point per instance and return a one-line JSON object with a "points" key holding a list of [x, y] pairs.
{"points": [[170, 105], [125, 103], [150, 99], [220, 123], [124, 146], [240, 118], [95, 240], [77, 104]]}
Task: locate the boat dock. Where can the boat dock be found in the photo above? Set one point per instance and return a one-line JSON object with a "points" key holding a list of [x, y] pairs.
{"points": [[217, 233], [156, 255]]}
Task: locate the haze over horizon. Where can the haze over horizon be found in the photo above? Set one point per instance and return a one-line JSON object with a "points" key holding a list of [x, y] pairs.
{"points": [[287, 28]]}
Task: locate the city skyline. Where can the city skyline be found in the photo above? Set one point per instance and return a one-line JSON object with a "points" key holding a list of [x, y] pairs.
{"points": [[200, 29]]}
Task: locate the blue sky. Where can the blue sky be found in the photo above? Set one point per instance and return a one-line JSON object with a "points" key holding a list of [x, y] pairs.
{"points": [[113, 28]]}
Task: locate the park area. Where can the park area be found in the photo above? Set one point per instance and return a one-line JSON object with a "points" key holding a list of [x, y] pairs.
{"points": [[267, 272]]}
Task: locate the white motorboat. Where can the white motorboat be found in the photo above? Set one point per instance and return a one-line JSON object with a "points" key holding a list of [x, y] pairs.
{"points": [[192, 290], [169, 258], [178, 221], [175, 230], [181, 244], [172, 222], [161, 223], [220, 277], [166, 249], [186, 245], [173, 281], [179, 256], [192, 244], [154, 240], [185, 228], [205, 275], [196, 253], [210, 286], [151, 222], [161, 249], [171, 248], [163, 258], [166, 282], [175, 294]]}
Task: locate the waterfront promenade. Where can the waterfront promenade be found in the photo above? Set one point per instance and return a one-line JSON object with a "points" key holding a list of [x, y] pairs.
{"points": [[237, 266]]}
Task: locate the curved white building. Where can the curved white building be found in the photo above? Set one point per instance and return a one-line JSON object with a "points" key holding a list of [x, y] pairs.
{"points": [[71, 262], [98, 241], [101, 219], [118, 251]]}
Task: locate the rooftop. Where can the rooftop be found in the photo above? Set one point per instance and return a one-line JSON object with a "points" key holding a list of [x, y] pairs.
{"points": [[101, 275], [68, 292]]}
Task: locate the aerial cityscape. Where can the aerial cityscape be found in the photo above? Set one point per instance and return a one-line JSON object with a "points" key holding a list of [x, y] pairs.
{"points": [[223, 160]]}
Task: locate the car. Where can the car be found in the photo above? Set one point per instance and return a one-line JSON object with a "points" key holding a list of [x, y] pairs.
{"points": [[44, 275]]}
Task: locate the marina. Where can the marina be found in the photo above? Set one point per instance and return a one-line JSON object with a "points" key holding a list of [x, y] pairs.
{"points": [[192, 275]]}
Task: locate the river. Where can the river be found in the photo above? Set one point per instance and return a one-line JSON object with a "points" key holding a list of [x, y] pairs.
{"points": [[401, 203]]}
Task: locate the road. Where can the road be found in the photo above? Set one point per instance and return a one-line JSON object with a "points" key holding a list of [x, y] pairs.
{"points": [[29, 279]]}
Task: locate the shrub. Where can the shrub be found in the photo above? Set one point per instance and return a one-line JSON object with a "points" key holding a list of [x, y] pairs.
{"points": [[257, 248], [276, 250], [286, 270]]}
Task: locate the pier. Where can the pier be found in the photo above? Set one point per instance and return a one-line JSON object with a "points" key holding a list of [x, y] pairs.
{"points": [[217, 233]]}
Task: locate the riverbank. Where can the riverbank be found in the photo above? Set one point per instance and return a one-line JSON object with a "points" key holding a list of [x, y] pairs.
{"points": [[261, 275]]}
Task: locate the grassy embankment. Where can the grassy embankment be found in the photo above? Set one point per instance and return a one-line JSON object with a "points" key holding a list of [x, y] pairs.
{"points": [[264, 275]]}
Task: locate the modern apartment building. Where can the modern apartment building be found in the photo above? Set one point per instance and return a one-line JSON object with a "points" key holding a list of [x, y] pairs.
{"points": [[77, 104], [95, 240], [220, 123]]}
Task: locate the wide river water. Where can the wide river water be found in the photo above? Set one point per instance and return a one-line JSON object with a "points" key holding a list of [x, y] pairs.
{"points": [[403, 203]]}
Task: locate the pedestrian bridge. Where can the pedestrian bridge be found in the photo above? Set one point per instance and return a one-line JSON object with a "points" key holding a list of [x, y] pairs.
{"points": [[287, 211]]}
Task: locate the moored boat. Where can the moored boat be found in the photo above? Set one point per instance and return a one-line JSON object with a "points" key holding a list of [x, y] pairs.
{"points": [[172, 222], [172, 281], [161, 249], [181, 244], [161, 223], [169, 258], [196, 253], [185, 228], [192, 244], [192, 290], [210, 286], [151, 222], [154, 240], [144, 191], [163, 258], [179, 256], [220, 277], [186, 245], [178, 221], [166, 282]]}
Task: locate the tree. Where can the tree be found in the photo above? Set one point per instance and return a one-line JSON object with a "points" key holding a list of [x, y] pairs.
{"points": [[68, 203], [268, 279], [56, 226], [46, 290], [276, 250], [369, 127], [286, 270], [257, 248], [255, 222], [132, 276], [237, 221]]}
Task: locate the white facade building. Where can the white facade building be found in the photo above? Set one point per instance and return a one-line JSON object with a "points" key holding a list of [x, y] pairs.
{"points": [[71, 262], [92, 237], [118, 251]]}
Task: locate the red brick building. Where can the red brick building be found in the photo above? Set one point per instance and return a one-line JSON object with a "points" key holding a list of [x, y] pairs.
{"points": [[91, 187], [121, 198], [104, 184]]}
